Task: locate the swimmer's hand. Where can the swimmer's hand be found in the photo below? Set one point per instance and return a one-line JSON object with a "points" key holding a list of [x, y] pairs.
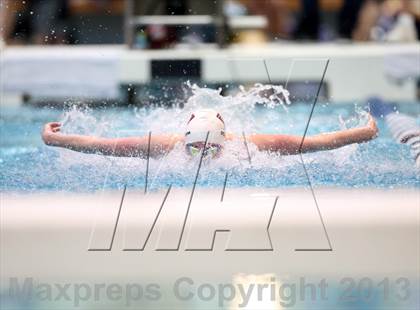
{"points": [[372, 127], [50, 133]]}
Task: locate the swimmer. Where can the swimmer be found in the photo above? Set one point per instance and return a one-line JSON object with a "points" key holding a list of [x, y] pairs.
{"points": [[205, 134]]}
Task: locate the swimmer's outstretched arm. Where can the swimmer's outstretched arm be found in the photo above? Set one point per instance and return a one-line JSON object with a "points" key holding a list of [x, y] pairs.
{"points": [[125, 147], [287, 144]]}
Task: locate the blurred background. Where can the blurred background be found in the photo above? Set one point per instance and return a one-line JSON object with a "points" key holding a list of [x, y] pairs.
{"points": [[127, 51], [206, 21]]}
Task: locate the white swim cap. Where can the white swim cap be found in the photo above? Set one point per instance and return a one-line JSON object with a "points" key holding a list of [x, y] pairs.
{"points": [[202, 122]]}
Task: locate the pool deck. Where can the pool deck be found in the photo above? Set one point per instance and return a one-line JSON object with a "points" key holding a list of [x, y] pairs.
{"points": [[371, 231], [355, 71]]}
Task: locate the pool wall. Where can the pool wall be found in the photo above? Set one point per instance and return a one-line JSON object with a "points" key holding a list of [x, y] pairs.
{"points": [[368, 232]]}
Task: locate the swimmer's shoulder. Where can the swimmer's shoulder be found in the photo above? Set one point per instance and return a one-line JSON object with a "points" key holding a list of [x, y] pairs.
{"points": [[173, 138], [167, 141], [230, 136], [176, 138]]}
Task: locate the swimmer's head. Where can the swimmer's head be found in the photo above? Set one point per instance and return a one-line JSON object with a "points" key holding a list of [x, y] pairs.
{"points": [[202, 123]]}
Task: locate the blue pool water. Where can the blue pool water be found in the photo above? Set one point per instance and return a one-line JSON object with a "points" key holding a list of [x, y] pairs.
{"points": [[28, 165]]}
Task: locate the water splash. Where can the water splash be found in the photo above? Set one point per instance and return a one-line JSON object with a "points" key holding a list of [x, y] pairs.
{"points": [[81, 120], [238, 109], [262, 108]]}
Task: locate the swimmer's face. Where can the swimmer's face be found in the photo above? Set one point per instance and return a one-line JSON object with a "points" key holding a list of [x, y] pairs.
{"points": [[212, 150]]}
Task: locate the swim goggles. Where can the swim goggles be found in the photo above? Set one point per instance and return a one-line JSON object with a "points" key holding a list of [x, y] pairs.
{"points": [[211, 150]]}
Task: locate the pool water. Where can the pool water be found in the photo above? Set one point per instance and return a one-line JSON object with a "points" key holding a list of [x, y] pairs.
{"points": [[27, 165]]}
